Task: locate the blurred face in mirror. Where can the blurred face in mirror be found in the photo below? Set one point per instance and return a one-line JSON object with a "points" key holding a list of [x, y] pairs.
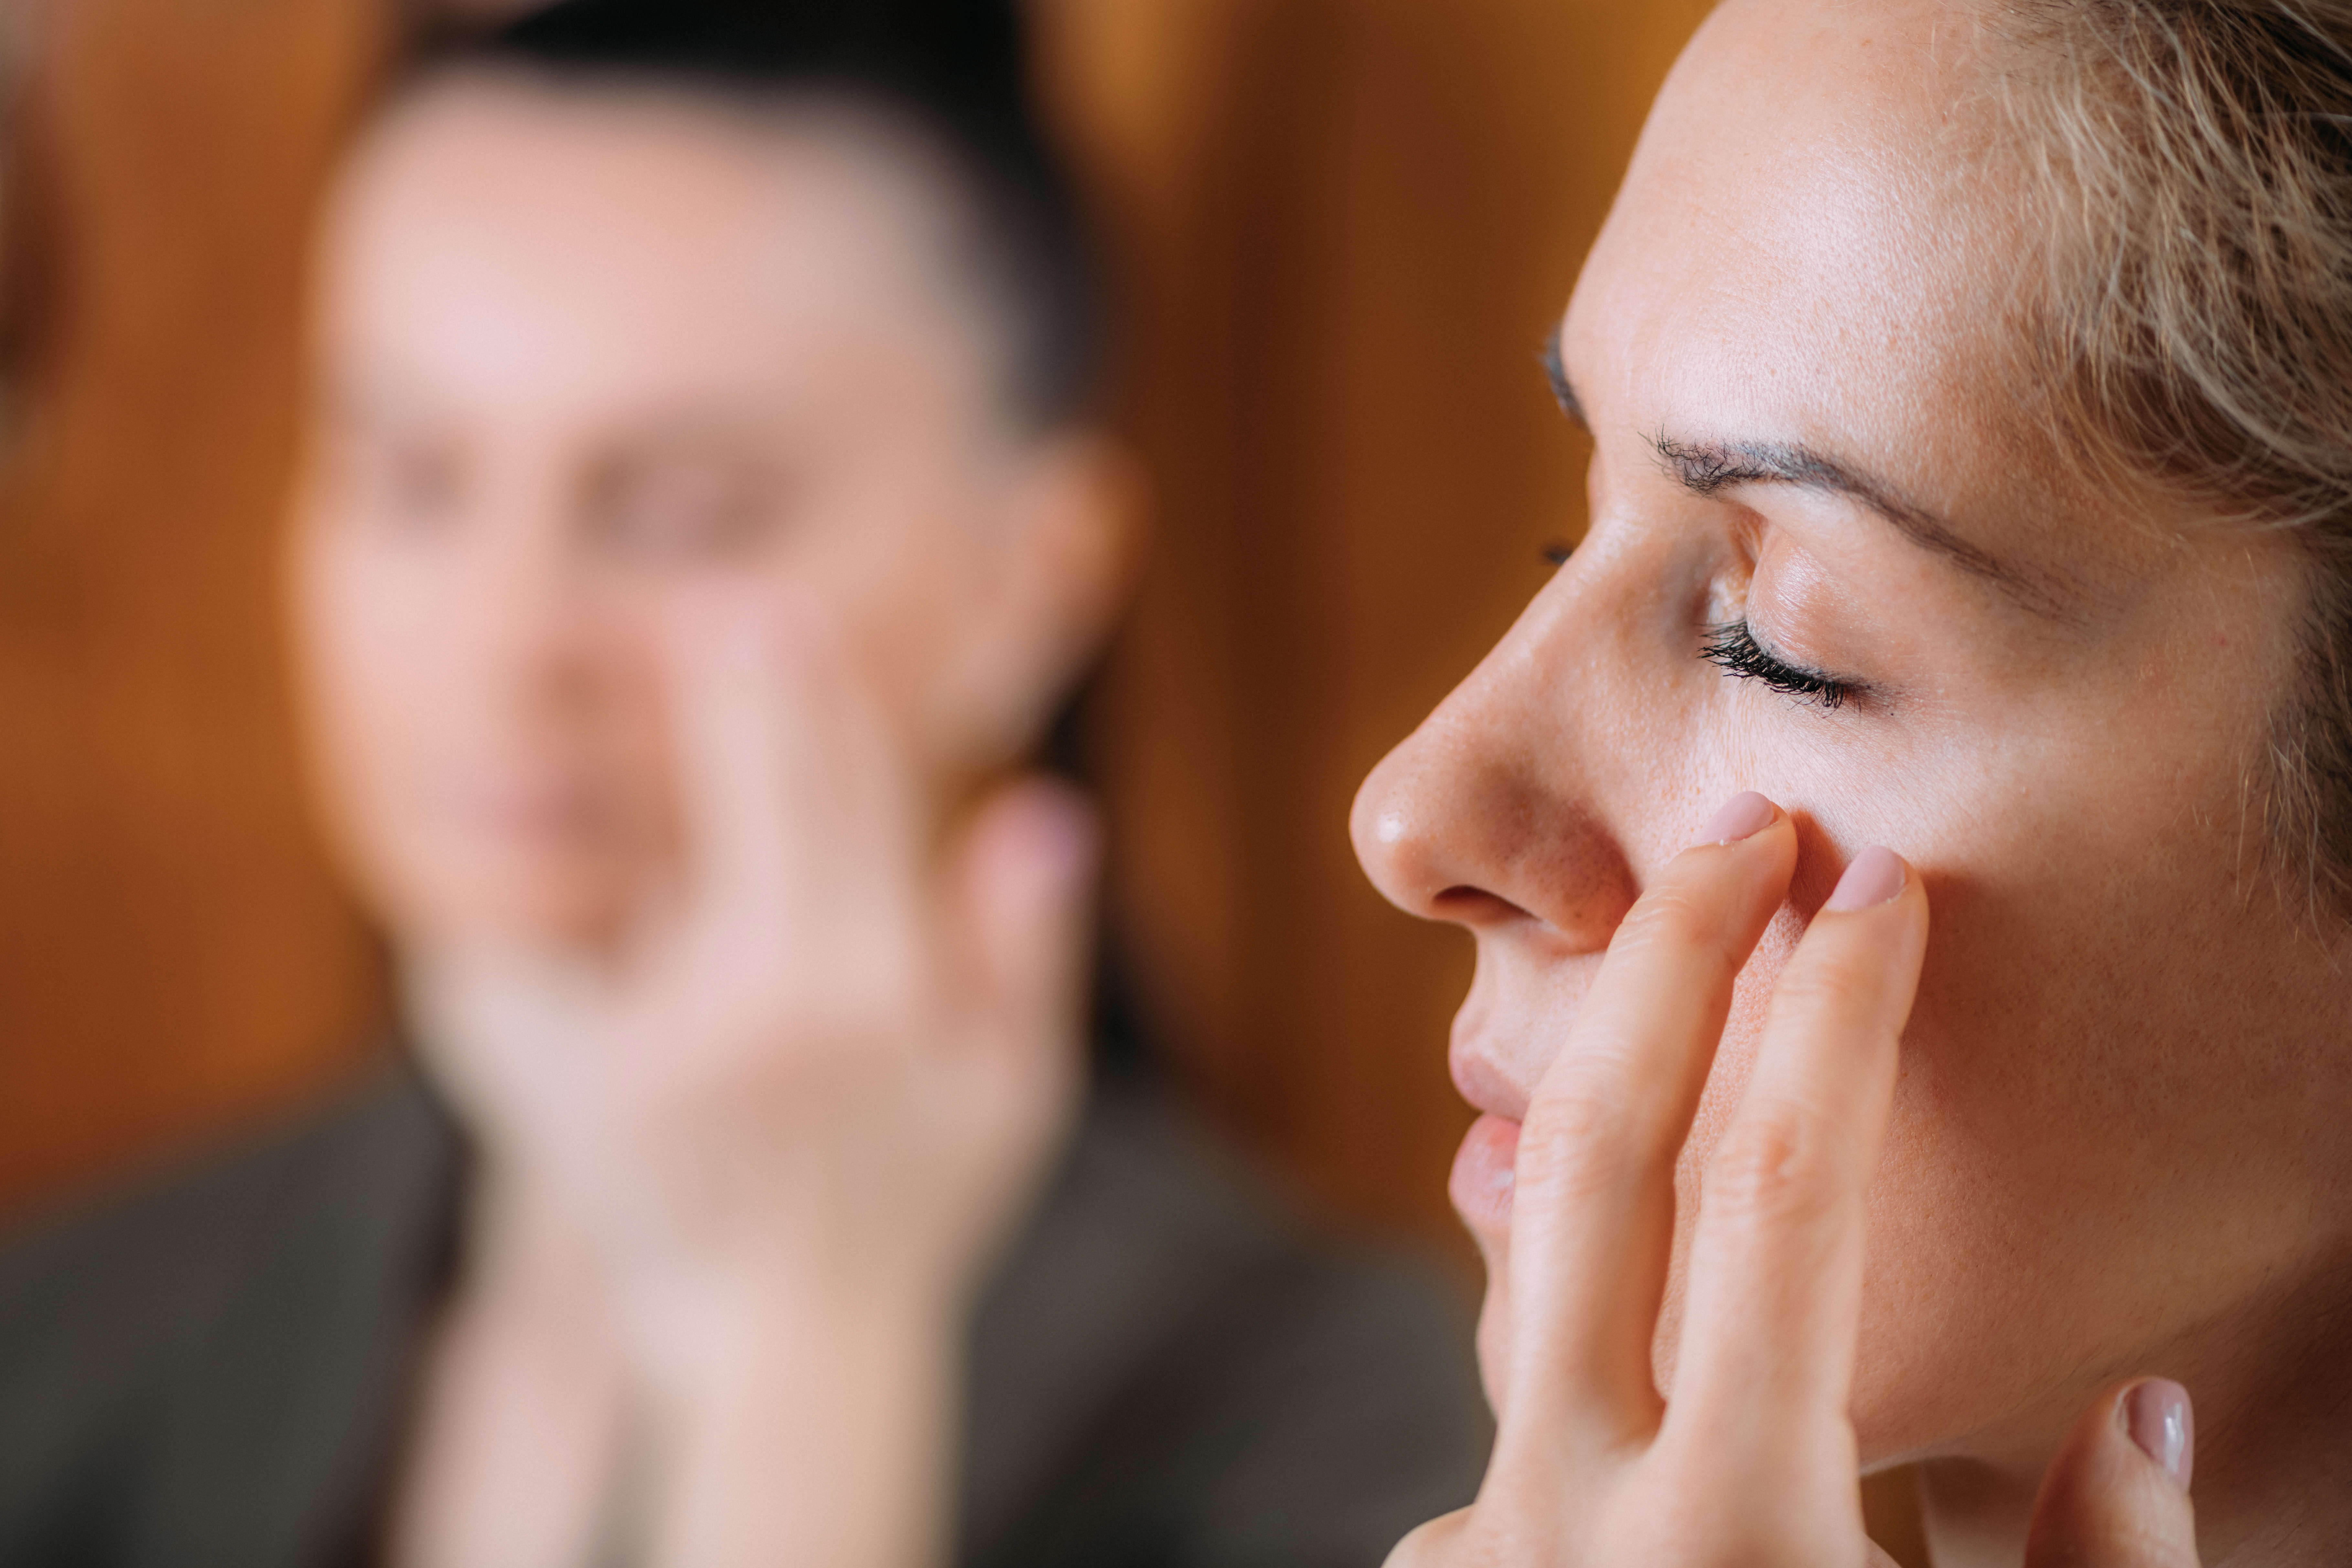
{"points": [[581, 353], [1831, 558]]}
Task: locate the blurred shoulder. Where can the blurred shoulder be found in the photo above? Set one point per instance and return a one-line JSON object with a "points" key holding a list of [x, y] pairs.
{"points": [[244, 1271], [138, 1247], [1176, 1365]]}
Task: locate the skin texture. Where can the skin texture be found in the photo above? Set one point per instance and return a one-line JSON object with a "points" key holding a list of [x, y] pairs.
{"points": [[2112, 1146], [671, 577]]}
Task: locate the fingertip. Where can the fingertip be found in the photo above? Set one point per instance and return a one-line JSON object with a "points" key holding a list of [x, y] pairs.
{"points": [[1742, 816], [2157, 1415], [1877, 875], [2118, 1491], [733, 623], [722, 619]]}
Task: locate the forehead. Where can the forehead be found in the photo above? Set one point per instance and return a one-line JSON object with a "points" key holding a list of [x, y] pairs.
{"points": [[510, 239], [1809, 247]]}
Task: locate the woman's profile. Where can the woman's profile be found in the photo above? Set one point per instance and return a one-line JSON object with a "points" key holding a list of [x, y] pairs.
{"points": [[1970, 386]]}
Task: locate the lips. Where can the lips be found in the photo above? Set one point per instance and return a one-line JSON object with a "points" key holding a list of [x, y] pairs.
{"points": [[1478, 1080], [1485, 1173], [1486, 1167]]}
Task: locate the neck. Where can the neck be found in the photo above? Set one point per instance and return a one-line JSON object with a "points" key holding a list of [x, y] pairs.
{"points": [[2273, 1448], [1974, 1515]]}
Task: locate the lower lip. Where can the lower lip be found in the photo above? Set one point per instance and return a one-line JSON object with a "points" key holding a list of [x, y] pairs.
{"points": [[1485, 1173]]}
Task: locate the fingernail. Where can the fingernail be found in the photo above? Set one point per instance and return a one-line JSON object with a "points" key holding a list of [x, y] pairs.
{"points": [[1744, 815], [2156, 1416], [1875, 877]]}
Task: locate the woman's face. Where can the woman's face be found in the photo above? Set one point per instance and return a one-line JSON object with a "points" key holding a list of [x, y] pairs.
{"points": [[2117, 1134], [582, 354]]}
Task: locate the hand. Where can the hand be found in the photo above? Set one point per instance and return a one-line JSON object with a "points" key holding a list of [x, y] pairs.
{"points": [[1749, 1460], [793, 1116], [815, 1065]]}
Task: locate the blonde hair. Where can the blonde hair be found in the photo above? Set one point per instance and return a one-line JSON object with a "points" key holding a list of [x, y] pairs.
{"points": [[2196, 330]]}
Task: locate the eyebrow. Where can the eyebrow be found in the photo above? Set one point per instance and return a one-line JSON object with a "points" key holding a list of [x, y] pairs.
{"points": [[1709, 467]]}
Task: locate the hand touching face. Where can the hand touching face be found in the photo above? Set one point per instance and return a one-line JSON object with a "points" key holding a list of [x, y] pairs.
{"points": [[819, 1077], [1747, 1457]]}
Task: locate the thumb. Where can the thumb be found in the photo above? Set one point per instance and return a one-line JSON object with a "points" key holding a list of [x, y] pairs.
{"points": [[1020, 884], [2117, 1496]]}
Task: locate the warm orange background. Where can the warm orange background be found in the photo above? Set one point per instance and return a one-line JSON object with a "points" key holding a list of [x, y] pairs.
{"points": [[1345, 224]]}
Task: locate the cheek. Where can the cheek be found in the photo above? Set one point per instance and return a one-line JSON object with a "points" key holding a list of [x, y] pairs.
{"points": [[367, 651]]}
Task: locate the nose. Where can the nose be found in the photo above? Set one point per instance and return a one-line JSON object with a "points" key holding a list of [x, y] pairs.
{"points": [[545, 634], [1486, 816]]}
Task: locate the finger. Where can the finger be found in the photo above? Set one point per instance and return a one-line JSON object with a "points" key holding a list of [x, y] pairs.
{"points": [[1765, 1364], [2117, 1496], [1592, 1214], [797, 807], [1021, 917]]}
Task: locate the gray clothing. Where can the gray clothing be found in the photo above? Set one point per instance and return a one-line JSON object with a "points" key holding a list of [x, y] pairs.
{"points": [[1166, 1373]]}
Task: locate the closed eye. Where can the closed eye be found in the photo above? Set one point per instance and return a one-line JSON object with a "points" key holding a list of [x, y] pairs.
{"points": [[1732, 647]]}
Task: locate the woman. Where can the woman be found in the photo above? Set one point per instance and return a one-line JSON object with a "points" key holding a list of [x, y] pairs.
{"points": [[1971, 384]]}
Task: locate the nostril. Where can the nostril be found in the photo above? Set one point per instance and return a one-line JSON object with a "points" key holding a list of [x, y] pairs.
{"points": [[1473, 907]]}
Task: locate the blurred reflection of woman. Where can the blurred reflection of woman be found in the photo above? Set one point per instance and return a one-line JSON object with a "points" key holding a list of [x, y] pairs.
{"points": [[702, 509], [1970, 385]]}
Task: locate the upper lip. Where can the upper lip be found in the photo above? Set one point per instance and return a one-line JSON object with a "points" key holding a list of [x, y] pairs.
{"points": [[1484, 1085]]}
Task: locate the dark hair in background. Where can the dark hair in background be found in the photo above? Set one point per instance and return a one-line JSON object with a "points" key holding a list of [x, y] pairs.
{"points": [[955, 72]]}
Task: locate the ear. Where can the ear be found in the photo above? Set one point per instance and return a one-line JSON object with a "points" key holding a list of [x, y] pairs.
{"points": [[1071, 528]]}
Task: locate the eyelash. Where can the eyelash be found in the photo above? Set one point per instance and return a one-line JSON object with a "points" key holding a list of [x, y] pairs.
{"points": [[1733, 649]]}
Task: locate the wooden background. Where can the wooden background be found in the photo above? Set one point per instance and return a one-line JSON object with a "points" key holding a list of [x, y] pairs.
{"points": [[1344, 226]]}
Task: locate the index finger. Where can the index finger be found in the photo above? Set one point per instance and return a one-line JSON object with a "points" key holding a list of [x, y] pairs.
{"points": [[1592, 1218], [798, 811], [1764, 1370]]}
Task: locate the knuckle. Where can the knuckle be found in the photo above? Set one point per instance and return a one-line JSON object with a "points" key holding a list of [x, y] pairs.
{"points": [[1778, 1165], [1671, 915], [1824, 984]]}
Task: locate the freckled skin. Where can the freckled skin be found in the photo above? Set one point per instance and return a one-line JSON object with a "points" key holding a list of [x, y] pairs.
{"points": [[2116, 1144]]}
